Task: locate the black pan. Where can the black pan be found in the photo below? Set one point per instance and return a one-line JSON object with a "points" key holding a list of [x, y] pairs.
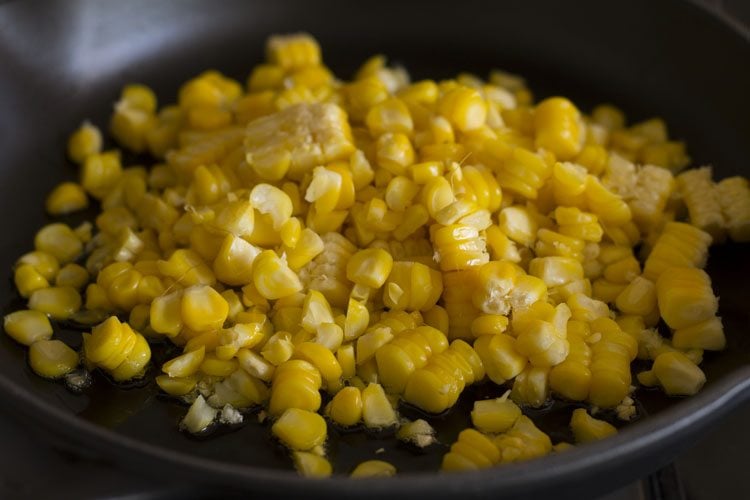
{"points": [[62, 62]]}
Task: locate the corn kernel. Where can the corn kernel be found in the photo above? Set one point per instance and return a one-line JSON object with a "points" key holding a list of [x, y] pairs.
{"points": [[52, 358], [27, 327]]}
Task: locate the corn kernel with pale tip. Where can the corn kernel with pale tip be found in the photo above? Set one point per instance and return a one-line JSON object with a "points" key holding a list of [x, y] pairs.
{"points": [[52, 358]]}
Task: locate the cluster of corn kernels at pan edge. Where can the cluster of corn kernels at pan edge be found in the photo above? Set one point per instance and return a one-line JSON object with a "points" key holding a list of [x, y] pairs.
{"points": [[378, 241]]}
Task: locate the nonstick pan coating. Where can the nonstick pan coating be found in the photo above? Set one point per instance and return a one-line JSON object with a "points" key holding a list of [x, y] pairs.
{"points": [[62, 62]]}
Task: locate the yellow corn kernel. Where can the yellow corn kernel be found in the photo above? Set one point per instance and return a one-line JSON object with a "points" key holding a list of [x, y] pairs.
{"points": [[66, 198], [294, 51], [345, 355], [135, 361], [357, 319], [300, 429], [685, 296], [464, 107], [471, 451], [213, 366], [437, 317], [84, 142], [558, 127], [394, 152], [494, 415], [556, 271], [203, 308], [531, 386], [702, 201], [623, 271], [272, 201], [373, 468], [377, 411], [390, 115], [57, 302], [60, 241], [677, 374], [52, 358], [187, 268], [638, 298], [708, 335], [272, 277], [27, 327], [45, 263], [176, 386], [100, 173], [370, 342], [607, 205], [296, 384], [412, 286], [679, 245], [518, 224], [346, 407], [610, 364], [311, 465], [27, 280], [323, 360], [587, 428], [369, 267], [72, 275], [255, 365], [734, 195], [185, 364]]}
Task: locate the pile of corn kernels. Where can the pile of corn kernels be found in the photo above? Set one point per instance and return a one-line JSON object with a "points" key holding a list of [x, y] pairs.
{"points": [[365, 244]]}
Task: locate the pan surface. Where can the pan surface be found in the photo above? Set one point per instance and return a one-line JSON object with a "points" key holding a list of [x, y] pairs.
{"points": [[61, 63]]}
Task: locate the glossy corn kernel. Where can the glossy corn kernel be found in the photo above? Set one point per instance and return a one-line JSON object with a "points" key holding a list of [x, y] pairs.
{"points": [[27, 327], [66, 198], [702, 201], [346, 407], [373, 468], [293, 51], [300, 430], [523, 441], [27, 280], [494, 415], [587, 428], [572, 378], [679, 245], [556, 271], [311, 465], [471, 451], [733, 194], [412, 286], [57, 302], [52, 358], [369, 267], [296, 384], [60, 241], [176, 386], [272, 277], [685, 297], [638, 298], [677, 374], [558, 127], [84, 142], [100, 172], [708, 335], [610, 363], [185, 364], [203, 308], [464, 107]]}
